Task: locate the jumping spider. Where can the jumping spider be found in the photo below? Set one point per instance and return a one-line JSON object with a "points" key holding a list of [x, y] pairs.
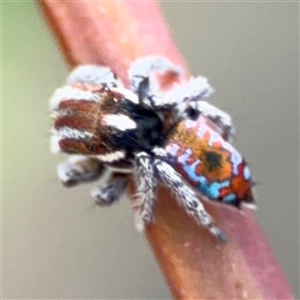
{"points": [[169, 135]]}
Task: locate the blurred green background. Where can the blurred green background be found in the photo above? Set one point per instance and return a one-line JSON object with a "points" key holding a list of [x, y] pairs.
{"points": [[55, 244]]}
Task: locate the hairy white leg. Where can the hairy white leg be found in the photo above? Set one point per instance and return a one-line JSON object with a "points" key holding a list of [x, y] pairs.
{"points": [[143, 78], [144, 82], [144, 67], [94, 75], [146, 184], [187, 198], [79, 169], [196, 89], [218, 117], [111, 190]]}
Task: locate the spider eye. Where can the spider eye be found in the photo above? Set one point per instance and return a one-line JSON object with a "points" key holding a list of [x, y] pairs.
{"points": [[192, 113]]}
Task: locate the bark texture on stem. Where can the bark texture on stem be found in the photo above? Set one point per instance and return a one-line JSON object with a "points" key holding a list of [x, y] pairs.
{"points": [[194, 264]]}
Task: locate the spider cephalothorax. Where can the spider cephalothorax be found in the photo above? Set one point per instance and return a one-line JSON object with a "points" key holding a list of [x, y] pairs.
{"points": [[162, 135]]}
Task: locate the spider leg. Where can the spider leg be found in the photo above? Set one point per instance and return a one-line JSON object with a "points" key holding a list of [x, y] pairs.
{"points": [[94, 75], [142, 69], [186, 197], [144, 81], [111, 190], [196, 89], [190, 99], [218, 118], [146, 184], [83, 83], [79, 169]]}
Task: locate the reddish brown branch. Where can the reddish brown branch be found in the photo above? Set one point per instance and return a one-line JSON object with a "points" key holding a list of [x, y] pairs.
{"points": [[195, 265]]}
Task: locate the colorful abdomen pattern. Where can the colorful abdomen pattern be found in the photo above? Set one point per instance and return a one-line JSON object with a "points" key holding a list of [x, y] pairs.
{"points": [[209, 163]]}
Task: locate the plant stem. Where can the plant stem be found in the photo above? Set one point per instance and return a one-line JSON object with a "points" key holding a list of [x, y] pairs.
{"points": [[115, 33]]}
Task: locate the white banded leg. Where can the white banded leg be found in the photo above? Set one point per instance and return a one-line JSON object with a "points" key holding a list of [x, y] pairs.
{"points": [[187, 198], [111, 190], [79, 169], [146, 184]]}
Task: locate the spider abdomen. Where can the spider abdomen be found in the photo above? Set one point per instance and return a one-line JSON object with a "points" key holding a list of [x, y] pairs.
{"points": [[209, 163]]}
